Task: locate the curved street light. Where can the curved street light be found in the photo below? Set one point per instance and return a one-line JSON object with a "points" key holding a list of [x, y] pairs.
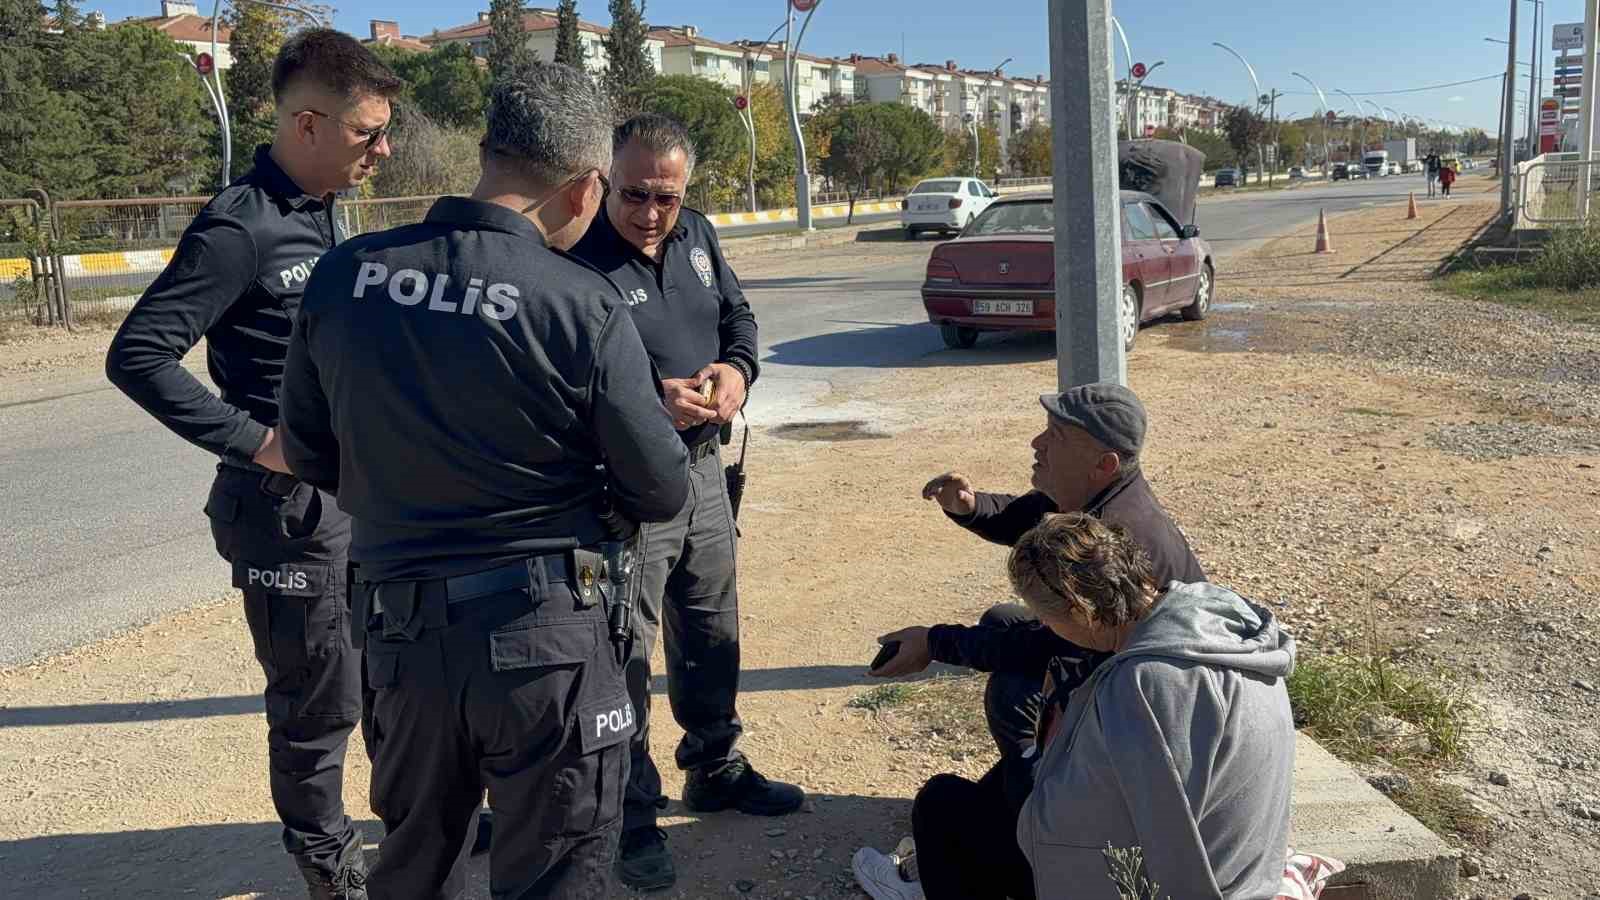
{"points": [[1322, 99], [1127, 57], [216, 71], [791, 52], [1261, 157], [1359, 112], [748, 114]]}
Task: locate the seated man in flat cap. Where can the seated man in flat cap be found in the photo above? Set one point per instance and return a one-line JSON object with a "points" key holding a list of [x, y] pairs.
{"points": [[1085, 460]]}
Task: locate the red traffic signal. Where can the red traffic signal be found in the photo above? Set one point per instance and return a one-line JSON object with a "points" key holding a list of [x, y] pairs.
{"points": [[1139, 71], [740, 102], [803, 5], [204, 64]]}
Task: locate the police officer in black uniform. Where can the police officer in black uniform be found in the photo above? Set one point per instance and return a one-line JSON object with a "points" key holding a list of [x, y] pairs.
{"points": [[236, 279], [701, 334], [486, 412]]}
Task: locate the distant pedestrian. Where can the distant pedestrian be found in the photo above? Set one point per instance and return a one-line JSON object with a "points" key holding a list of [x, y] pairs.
{"points": [[1431, 164], [1447, 177]]}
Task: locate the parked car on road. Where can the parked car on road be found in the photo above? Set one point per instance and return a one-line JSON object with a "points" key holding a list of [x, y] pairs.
{"points": [[944, 204], [999, 275], [1296, 172], [1226, 178], [1339, 172]]}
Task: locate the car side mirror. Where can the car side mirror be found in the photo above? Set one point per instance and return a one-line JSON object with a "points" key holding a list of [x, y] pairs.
{"points": [[1191, 231]]}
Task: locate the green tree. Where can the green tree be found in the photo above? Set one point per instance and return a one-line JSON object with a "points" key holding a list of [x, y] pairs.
{"points": [[916, 144], [1033, 151], [569, 52], [429, 158], [258, 33], [508, 43], [1291, 139], [858, 151], [958, 151], [154, 129], [1244, 129], [704, 109], [629, 69], [445, 83], [1213, 145]]}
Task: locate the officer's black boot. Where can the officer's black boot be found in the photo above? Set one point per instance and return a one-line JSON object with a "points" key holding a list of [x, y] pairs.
{"points": [[737, 785], [643, 861], [347, 882]]}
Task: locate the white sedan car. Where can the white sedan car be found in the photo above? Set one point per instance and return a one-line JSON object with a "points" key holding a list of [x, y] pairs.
{"points": [[944, 204]]}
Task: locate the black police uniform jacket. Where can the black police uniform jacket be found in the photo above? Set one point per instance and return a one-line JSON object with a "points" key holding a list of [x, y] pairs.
{"points": [[236, 278], [688, 306], [473, 396]]}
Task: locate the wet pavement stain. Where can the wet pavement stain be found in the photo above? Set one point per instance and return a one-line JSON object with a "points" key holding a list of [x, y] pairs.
{"points": [[842, 430]]}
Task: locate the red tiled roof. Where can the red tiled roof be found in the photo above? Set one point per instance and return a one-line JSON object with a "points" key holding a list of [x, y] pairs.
{"points": [[873, 66], [678, 39], [399, 43], [183, 27], [530, 22]]}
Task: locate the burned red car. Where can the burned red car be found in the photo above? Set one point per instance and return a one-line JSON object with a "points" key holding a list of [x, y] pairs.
{"points": [[999, 275]]}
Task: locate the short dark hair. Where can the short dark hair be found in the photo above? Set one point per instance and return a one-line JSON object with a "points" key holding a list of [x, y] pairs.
{"points": [[335, 61], [550, 121], [658, 134]]}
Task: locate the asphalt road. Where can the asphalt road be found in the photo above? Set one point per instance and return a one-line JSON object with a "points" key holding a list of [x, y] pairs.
{"points": [[104, 528]]}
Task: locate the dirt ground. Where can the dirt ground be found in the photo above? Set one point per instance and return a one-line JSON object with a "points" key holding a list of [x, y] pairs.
{"points": [[1335, 424]]}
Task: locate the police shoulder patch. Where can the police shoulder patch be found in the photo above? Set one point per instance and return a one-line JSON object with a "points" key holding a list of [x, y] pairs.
{"points": [[702, 265]]}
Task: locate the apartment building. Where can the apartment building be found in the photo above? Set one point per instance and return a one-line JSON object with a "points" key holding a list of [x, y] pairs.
{"points": [[887, 80]]}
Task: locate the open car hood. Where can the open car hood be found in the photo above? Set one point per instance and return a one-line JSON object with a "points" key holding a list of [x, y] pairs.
{"points": [[1167, 170]]}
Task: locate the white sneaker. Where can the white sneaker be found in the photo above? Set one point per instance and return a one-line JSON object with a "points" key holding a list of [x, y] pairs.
{"points": [[879, 876]]}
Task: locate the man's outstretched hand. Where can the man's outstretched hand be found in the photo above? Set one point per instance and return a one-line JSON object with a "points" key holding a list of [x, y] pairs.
{"points": [[914, 655], [954, 493]]}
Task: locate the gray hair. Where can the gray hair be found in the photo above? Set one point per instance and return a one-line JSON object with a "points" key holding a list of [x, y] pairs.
{"points": [[551, 121], [659, 134]]}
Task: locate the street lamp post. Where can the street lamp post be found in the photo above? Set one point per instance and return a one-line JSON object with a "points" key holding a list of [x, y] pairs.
{"points": [[1254, 81], [1138, 89], [216, 72], [748, 114], [1322, 99], [1362, 113], [1506, 156], [1533, 76], [1127, 55], [791, 65]]}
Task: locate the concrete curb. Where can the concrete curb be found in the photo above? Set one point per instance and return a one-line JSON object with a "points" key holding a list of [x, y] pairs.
{"points": [[1391, 855], [760, 245]]}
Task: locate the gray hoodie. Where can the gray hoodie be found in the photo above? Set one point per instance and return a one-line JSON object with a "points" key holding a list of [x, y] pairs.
{"points": [[1181, 744]]}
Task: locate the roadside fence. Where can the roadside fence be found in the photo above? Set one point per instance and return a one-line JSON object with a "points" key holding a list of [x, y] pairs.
{"points": [[1550, 188], [26, 289]]}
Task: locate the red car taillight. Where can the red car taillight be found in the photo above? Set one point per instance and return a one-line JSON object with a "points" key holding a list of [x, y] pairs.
{"points": [[955, 202], [942, 270]]}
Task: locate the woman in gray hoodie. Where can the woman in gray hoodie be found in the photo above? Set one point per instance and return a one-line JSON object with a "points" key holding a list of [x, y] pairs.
{"points": [[1181, 744]]}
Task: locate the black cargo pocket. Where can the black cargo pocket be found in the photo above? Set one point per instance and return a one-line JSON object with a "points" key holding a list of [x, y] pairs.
{"points": [[383, 670], [591, 788], [222, 508], [299, 512], [527, 646], [294, 611]]}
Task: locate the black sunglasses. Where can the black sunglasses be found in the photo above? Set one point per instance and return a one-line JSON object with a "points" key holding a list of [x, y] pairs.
{"points": [[373, 135], [636, 196]]}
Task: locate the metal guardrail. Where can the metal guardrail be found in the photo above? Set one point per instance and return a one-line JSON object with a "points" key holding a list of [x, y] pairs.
{"points": [[27, 295], [1550, 191], [108, 251]]}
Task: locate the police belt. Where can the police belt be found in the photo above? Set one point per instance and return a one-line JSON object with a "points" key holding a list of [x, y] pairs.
{"points": [[278, 484], [515, 576], [702, 450]]}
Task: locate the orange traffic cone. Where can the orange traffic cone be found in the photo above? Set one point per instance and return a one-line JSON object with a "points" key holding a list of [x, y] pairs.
{"points": [[1323, 244], [1411, 210]]}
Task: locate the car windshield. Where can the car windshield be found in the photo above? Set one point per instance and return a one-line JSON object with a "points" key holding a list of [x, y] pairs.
{"points": [[1033, 217], [937, 187]]}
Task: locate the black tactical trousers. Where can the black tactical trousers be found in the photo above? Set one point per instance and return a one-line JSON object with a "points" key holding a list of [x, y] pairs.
{"points": [[688, 583], [519, 693], [288, 543]]}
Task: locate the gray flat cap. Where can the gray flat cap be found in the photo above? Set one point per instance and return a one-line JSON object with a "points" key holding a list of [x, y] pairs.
{"points": [[1111, 414]]}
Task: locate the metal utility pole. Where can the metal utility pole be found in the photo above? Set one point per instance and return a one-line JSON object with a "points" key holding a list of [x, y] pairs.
{"points": [[748, 114], [1533, 79], [1322, 99], [1272, 119], [1508, 124], [1088, 244], [791, 53], [1127, 56], [1586, 109]]}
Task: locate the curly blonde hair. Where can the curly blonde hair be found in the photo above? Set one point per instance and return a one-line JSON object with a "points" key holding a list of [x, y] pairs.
{"points": [[1072, 562]]}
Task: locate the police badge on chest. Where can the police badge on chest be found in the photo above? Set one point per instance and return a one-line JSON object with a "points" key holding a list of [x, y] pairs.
{"points": [[702, 265]]}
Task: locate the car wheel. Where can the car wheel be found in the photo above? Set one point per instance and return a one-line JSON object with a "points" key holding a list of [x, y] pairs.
{"points": [[1128, 312], [957, 337], [1197, 310]]}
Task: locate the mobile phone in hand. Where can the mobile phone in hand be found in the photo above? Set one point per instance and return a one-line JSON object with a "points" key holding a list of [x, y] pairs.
{"points": [[886, 653]]}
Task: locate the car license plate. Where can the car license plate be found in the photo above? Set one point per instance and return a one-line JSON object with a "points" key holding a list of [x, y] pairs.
{"points": [[1002, 307]]}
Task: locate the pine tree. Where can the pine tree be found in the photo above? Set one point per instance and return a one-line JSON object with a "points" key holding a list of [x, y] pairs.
{"points": [[568, 51], [630, 69], [508, 44]]}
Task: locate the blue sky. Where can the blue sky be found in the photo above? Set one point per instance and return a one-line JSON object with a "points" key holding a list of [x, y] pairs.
{"points": [[1385, 47]]}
